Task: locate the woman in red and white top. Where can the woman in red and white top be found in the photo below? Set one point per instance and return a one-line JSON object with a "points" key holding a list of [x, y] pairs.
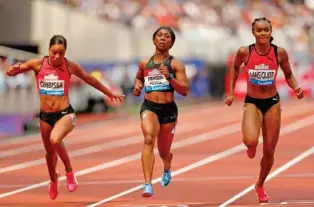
{"points": [[262, 103], [57, 117]]}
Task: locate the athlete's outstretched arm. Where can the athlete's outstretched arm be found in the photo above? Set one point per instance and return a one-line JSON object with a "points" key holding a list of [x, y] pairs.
{"points": [[139, 79], [234, 72], [90, 80], [180, 83], [22, 67]]}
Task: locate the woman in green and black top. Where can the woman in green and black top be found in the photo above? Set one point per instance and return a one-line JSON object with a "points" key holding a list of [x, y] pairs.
{"points": [[160, 76]]}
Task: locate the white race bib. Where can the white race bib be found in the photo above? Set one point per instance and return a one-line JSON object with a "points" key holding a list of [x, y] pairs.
{"points": [[50, 85], [262, 77], [155, 81]]}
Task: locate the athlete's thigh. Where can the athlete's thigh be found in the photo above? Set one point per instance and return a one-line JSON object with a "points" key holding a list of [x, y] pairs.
{"points": [[150, 125], [271, 126], [62, 127], [252, 121], [45, 131], [165, 136]]}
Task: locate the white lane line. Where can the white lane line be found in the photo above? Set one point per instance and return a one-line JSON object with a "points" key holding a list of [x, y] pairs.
{"points": [[34, 137], [115, 144], [200, 163], [177, 180], [95, 135], [279, 170], [287, 129], [76, 136], [176, 145]]}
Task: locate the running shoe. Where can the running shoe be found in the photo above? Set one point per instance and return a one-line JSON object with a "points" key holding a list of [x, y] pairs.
{"points": [[53, 188], [71, 181], [261, 194], [165, 178], [147, 190]]}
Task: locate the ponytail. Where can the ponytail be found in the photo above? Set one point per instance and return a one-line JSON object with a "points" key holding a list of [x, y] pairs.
{"points": [[271, 39]]}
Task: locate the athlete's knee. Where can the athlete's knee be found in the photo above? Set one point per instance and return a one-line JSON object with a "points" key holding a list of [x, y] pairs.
{"points": [[55, 140], [164, 154], [149, 139], [268, 152]]}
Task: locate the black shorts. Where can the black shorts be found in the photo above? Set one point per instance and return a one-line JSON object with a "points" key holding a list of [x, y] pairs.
{"points": [[263, 104], [52, 117], [166, 113]]}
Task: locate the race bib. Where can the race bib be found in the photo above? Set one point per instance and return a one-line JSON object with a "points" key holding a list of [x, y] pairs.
{"points": [[262, 77], [155, 81], [50, 85]]}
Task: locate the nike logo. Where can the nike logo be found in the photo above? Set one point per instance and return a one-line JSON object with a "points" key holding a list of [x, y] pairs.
{"points": [[64, 112]]}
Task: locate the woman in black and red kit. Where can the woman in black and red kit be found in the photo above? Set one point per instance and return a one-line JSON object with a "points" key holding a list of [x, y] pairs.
{"points": [[262, 103]]}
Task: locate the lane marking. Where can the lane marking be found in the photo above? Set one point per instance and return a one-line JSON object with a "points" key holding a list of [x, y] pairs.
{"points": [[287, 129], [276, 172]]}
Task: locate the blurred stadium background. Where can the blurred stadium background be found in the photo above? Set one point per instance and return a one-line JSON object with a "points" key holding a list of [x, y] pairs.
{"points": [[109, 37]]}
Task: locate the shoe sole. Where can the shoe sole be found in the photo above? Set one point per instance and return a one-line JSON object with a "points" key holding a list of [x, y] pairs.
{"points": [[146, 195]]}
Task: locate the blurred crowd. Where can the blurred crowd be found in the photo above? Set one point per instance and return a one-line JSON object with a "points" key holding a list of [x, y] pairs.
{"points": [[205, 22], [7, 83], [295, 17]]}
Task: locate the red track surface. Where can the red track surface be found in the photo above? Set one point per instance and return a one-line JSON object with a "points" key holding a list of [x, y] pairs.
{"points": [[202, 132]]}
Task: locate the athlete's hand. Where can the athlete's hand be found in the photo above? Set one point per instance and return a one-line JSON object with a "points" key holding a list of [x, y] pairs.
{"points": [[12, 70], [229, 100], [116, 97], [164, 70], [299, 92], [137, 89]]}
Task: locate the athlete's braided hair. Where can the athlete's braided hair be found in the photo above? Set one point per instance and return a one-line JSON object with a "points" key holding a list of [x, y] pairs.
{"points": [[263, 19]]}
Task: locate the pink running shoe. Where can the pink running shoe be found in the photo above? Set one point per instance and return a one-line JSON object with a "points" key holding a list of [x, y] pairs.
{"points": [[53, 188], [261, 194], [71, 181], [251, 151]]}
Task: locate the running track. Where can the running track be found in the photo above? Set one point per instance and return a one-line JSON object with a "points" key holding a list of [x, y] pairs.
{"points": [[210, 167]]}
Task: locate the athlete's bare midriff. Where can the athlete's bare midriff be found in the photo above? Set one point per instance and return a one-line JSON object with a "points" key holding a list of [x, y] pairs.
{"points": [[159, 97], [254, 90], [53, 103], [261, 91]]}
